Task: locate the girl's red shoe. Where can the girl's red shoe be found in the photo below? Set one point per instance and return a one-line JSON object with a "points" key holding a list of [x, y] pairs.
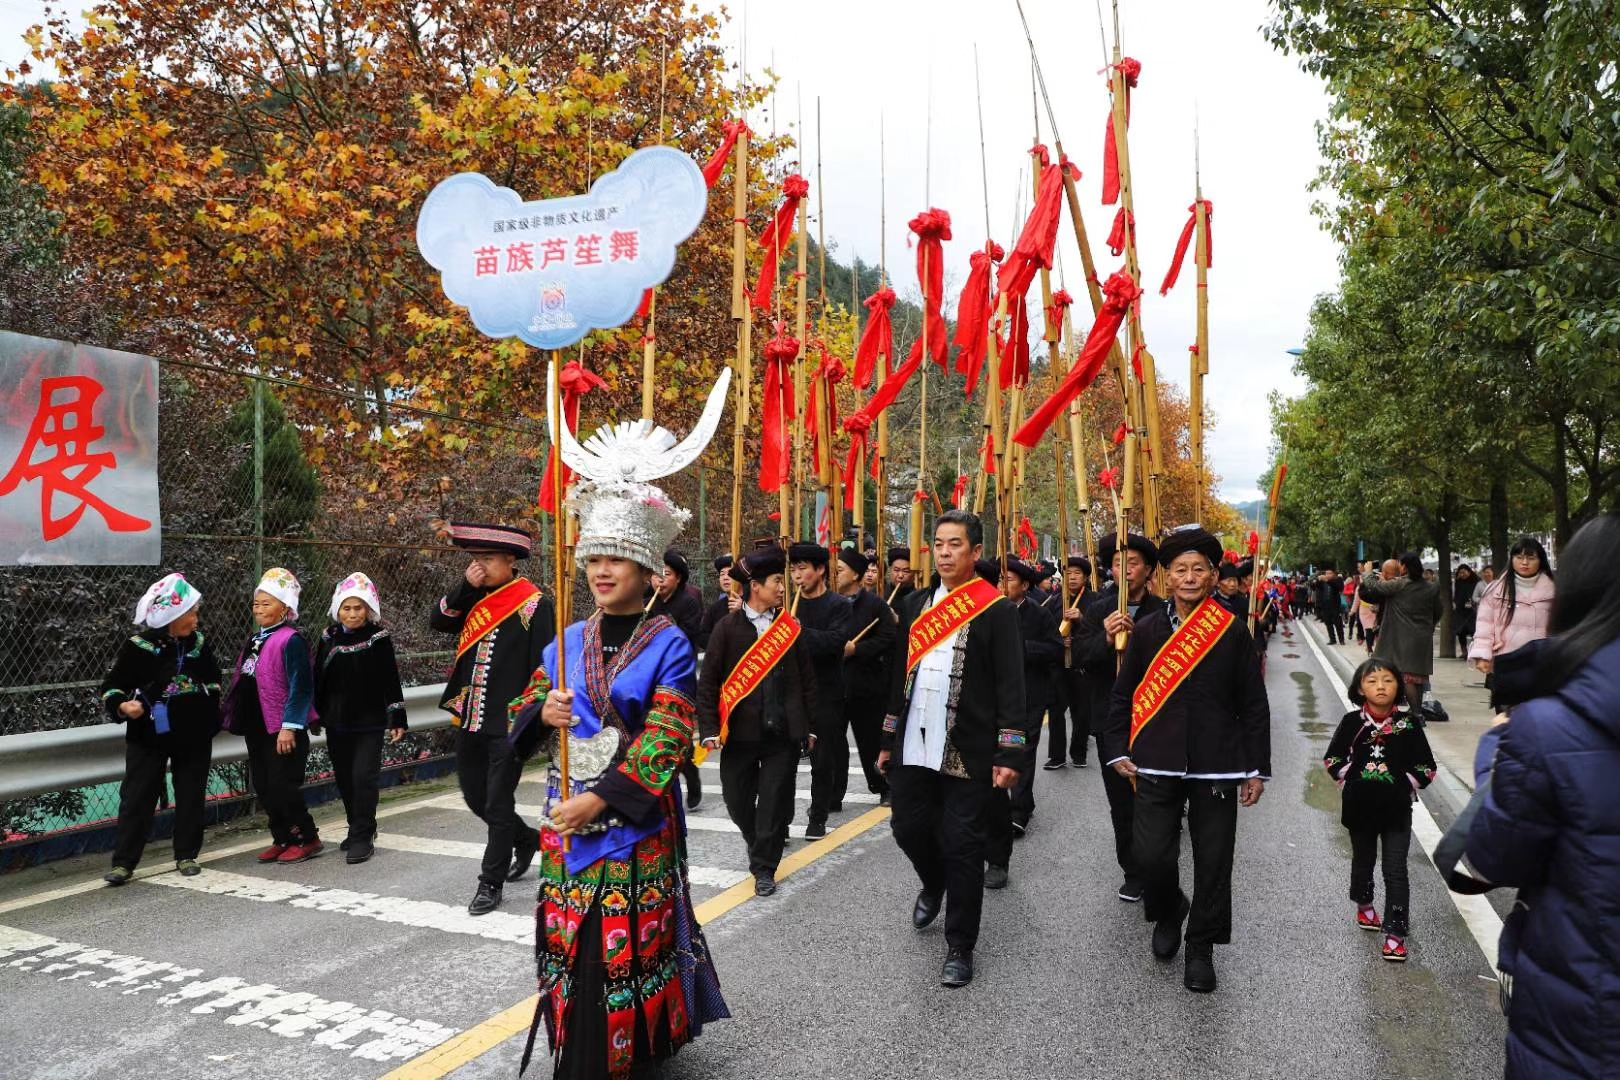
{"points": [[1394, 949], [1367, 918], [272, 853]]}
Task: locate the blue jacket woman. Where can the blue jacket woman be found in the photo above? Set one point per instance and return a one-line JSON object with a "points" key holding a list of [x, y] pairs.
{"points": [[1550, 826]]}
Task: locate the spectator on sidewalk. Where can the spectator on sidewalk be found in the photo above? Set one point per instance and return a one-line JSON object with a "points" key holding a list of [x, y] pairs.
{"points": [[1464, 593], [1411, 611], [1550, 827], [1328, 607], [1363, 612], [1515, 609]]}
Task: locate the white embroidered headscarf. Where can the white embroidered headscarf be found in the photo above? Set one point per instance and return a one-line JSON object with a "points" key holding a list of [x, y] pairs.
{"points": [[360, 586], [166, 601], [281, 584]]}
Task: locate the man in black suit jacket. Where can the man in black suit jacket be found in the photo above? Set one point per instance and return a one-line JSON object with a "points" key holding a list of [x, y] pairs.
{"points": [[866, 664], [1094, 650], [956, 738]]}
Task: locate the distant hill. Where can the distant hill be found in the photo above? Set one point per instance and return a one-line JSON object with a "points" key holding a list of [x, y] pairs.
{"points": [[1247, 510]]}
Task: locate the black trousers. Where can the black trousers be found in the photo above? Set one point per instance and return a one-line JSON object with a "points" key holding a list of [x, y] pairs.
{"points": [[757, 782], [356, 765], [278, 779], [829, 764], [489, 770], [1071, 700], [866, 721], [1334, 621], [142, 787], [939, 823], [1156, 847], [1397, 890], [1121, 813]]}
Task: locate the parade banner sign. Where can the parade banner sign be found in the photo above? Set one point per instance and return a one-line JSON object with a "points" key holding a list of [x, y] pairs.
{"points": [[550, 272], [78, 455]]}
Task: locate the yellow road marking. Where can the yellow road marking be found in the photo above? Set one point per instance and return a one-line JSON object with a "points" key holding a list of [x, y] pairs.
{"points": [[481, 1038]]}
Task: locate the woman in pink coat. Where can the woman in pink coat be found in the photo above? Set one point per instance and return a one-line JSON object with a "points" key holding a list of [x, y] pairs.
{"points": [[1514, 609]]}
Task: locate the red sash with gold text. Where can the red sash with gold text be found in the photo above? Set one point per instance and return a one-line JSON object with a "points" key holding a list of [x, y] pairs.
{"points": [[493, 610], [758, 662], [960, 607], [1186, 649]]}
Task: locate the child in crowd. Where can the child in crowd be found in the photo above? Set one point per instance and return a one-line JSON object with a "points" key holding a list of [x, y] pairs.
{"points": [[358, 697], [270, 705], [1381, 760]]}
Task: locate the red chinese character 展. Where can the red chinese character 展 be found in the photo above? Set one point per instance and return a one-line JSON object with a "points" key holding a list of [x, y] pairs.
{"points": [[587, 250], [625, 246], [488, 262], [554, 250], [519, 257], [67, 429]]}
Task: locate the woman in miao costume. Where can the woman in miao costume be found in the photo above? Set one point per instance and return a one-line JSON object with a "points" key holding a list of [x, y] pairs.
{"points": [[624, 972]]}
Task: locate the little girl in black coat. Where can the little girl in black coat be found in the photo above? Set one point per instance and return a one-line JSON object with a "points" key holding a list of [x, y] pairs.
{"points": [[358, 697], [1381, 760]]}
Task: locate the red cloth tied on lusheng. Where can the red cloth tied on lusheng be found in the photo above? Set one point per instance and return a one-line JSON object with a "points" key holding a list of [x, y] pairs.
{"points": [[574, 382], [959, 492], [824, 383], [1027, 541], [1015, 349], [933, 227], [877, 338], [794, 189], [1122, 433], [1109, 478], [1133, 71], [717, 164], [1061, 302], [858, 449], [1119, 292], [1116, 235], [988, 458], [779, 411], [1037, 243], [1185, 240], [973, 316]]}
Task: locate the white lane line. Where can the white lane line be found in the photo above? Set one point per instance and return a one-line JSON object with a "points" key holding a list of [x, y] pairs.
{"points": [[428, 914], [803, 770], [462, 849], [1476, 911], [342, 1026]]}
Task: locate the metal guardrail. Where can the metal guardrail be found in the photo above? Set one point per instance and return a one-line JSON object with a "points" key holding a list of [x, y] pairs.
{"points": [[42, 761]]}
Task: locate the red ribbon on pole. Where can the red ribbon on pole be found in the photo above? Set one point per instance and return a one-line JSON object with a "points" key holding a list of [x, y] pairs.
{"points": [[933, 227], [717, 164], [1110, 478], [959, 492], [878, 337], [989, 457], [1015, 350], [1038, 241], [1117, 239], [1119, 292], [779, 410], [973, 315], [794, 189], [1133, 71], [1061, 302], [858, 446], [824, 381], [1027, 541], [575, 382], [1185, 241]]}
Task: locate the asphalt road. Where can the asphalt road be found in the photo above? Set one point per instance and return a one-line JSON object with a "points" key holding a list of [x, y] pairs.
{"points": [[327, 970]]}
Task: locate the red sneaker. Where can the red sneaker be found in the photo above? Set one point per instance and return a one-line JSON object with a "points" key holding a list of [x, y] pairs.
{"points": [[300, 852], [272, 853], [1367, 918], [1394, 949]]}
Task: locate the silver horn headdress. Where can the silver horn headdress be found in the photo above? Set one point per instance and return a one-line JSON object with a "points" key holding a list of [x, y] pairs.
{"points": [[621, 513]]}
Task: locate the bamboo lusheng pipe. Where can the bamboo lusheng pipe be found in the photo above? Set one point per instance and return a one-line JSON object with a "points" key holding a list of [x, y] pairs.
{"points": [[559, 571], [865, 630], [918, 517], [801, 401], [1077, 449], [1121, 579], [992, 407], [1200, 356], [741, 311], [860, 457]]}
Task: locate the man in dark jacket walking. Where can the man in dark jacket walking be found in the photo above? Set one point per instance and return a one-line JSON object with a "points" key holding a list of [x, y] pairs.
{"points": [[824, 618], [1330, 604], [866, 665]]}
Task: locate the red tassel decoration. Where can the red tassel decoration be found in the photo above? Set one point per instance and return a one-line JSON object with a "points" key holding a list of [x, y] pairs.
{"points": [[1119, 292], [575, 383], [779, 410], [1038, 241], [717, 163], [1015, 350], [878, 337], [1185, 241], [794, 188], [1133, 71], [973, 315]]}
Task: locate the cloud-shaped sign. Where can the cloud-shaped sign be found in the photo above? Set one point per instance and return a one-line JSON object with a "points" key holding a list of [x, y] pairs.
{"points": [[552, 271]]}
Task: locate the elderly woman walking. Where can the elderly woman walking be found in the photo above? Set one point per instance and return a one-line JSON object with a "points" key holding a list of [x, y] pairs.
{"points": [[164, 689], [1411, 609]]}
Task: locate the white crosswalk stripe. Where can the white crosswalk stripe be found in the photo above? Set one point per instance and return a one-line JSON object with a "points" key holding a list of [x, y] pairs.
{"points": [[715, 876]]}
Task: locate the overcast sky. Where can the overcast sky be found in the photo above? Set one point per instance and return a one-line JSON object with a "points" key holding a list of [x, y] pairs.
{"points": [[903, 60]]}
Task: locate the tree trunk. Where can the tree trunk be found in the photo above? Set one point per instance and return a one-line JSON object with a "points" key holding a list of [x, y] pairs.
{"points": [[1499, 522], [1560, 484]]}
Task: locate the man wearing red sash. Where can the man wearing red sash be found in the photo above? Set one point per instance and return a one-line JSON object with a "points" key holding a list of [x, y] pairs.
{"points": [[1190, 725], [756, 698], [955, 737], [503, 625]]}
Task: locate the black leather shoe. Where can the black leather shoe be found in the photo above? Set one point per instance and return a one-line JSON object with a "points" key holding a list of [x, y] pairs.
{"points": [[1200, 973], [359, 851], [522, 857], [485, 900], [815, 830], [348, 842], [1019, 828], [885, 799], [927, 909], [1130, 891], [958, 969], [764, 884], [1167, 933], [995, 877]]}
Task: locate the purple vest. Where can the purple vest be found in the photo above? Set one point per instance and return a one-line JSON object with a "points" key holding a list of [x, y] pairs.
{"points": [[270, 680]]}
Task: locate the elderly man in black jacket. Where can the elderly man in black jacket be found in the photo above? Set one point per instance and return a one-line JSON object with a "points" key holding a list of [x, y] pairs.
{"points": [[824, 617], [768, 729], [866, 665], [955, 733], [1190, 726]]}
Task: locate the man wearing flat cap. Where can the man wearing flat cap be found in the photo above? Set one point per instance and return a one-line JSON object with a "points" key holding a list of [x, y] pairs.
{"points": [[824, 620], [723, 604], [1190, 725], [900, 577], [503, 625], [1229, 590], [866, 664], [1068, 724], [1094, 650], [1009, 818]]}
